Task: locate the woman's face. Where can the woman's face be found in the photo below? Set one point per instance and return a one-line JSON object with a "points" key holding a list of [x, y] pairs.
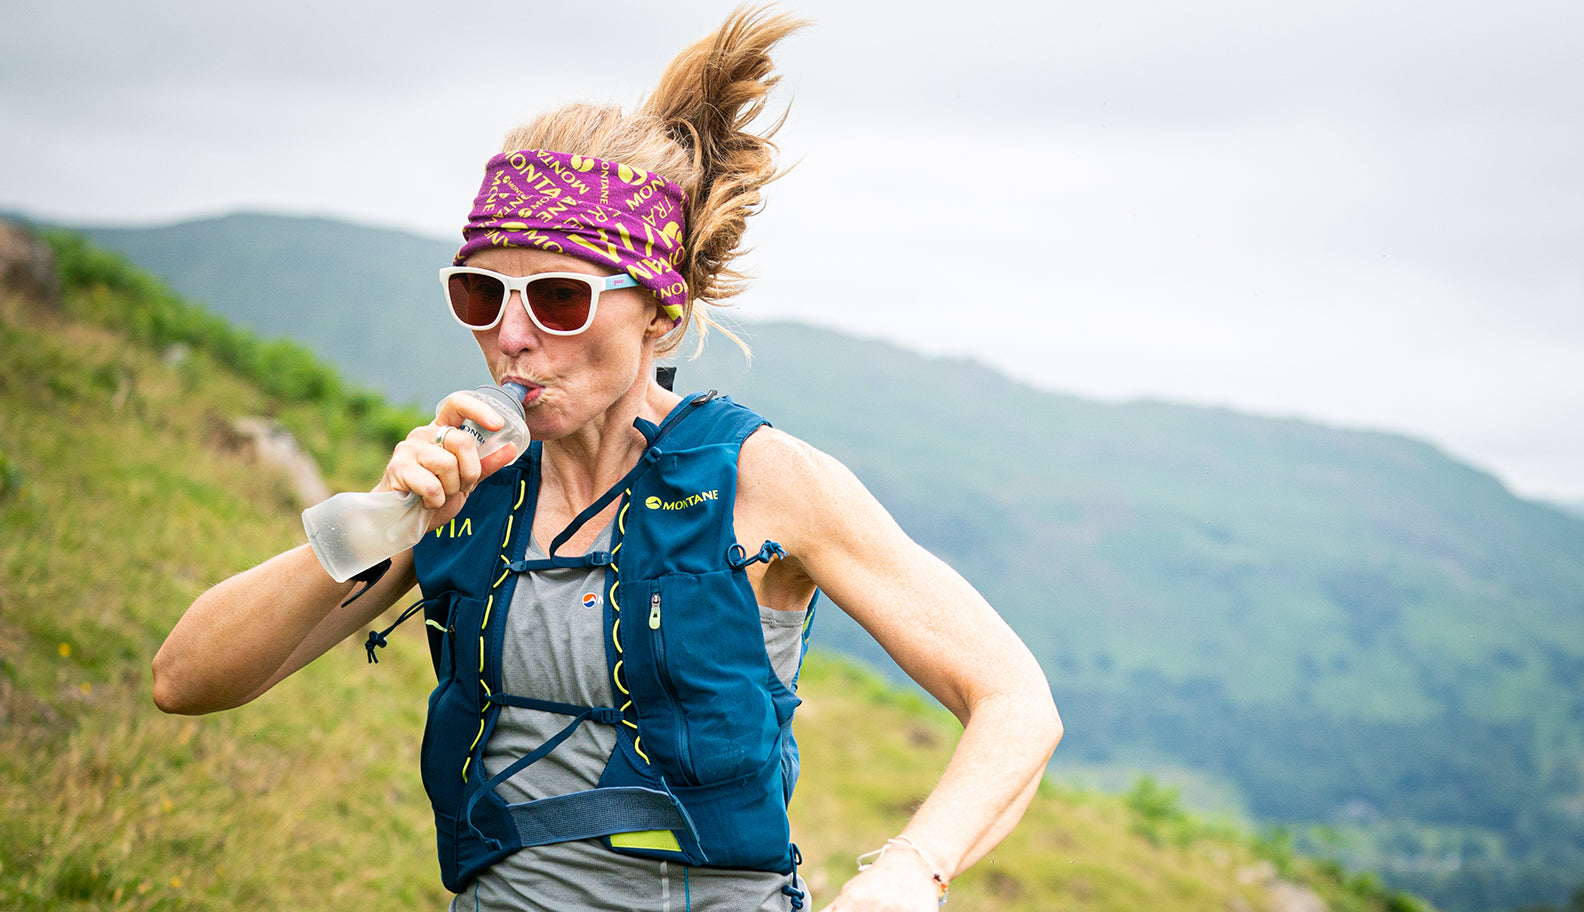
{"points": [[571, 380]]}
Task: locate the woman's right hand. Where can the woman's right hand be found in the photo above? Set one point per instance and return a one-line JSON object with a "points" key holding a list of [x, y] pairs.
{"points": [[440, 463]]}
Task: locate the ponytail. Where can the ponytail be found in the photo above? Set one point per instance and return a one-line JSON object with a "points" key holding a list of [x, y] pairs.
{"points": [[707, 99], [694, 129]]}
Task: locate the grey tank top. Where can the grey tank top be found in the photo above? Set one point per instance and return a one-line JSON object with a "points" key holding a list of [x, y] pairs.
{"points": [[555, 650]]}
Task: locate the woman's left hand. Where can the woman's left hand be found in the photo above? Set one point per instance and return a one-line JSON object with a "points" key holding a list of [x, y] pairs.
{"points": [[899, 881]]}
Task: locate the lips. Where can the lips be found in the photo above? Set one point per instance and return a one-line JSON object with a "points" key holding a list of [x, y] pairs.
{"points": [[530, 391]]}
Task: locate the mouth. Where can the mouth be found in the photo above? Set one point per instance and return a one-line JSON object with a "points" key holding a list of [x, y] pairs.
{"points": [[527, 390]]}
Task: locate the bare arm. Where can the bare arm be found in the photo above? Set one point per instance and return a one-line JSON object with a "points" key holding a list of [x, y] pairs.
{"points": [[941, 632], [246, 634]]}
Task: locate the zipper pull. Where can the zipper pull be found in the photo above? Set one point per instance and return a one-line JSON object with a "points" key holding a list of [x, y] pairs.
{"points": [[654, 611]]}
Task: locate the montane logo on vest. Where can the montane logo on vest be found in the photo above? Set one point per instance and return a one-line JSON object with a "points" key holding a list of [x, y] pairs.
{"points": [[655, 503]]}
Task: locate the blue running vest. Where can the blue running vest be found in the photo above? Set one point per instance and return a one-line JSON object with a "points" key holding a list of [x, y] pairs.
{"points": [[705, 761]]}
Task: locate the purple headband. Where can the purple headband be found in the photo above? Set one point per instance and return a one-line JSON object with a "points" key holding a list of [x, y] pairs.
{"points": [[596, 210]]}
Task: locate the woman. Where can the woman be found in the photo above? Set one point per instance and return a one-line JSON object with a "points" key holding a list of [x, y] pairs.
{"points": [[617, 616]]}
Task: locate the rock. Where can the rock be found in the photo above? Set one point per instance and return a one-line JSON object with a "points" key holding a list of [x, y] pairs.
{"points": [[1281, 895], [1290, 897], [27, 267], [274, 447], [1260, 872]]}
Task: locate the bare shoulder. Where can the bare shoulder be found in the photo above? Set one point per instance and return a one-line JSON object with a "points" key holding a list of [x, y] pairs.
{"points": [[806, 501], [804, 497], [772, 467], [781, 472], [770, 455]]}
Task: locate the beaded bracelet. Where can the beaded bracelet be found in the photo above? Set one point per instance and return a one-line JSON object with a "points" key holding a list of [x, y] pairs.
{"points": [[942, 885]]}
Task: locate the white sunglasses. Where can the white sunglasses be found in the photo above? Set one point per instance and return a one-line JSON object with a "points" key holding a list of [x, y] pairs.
{"points": [[560, 303]]}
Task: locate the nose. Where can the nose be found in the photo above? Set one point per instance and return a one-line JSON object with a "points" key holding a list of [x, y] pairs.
{"points": [[516, 331]]}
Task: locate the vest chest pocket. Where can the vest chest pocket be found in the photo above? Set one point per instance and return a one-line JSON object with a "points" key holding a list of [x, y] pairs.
{"points": [[701, 677]]}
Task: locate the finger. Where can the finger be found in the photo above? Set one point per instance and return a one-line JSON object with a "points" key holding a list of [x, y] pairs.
{"points": [[410, 476], [423, 434], [459, 407], [444, 462], [498, 460], [404, 458], [424, 465], [461, 445]]}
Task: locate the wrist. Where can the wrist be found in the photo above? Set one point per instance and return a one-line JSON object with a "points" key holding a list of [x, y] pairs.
{"points": [[925, 862]]}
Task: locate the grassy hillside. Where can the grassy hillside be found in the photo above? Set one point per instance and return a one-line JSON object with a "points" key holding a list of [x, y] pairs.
{"points": [[122, 496]]}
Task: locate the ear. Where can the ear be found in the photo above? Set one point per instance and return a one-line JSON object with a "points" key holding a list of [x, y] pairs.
{"points": [[660, 323]]}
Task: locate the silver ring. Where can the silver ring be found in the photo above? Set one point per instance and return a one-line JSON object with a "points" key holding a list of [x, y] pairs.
{"points": [[439, 438]]}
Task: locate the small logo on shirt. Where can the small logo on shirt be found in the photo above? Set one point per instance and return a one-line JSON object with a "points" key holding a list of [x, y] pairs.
{"points": [[591, 600]]}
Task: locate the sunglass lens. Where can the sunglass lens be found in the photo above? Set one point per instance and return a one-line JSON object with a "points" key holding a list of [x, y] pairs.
{"points": [[560, 304], [476, 299]]}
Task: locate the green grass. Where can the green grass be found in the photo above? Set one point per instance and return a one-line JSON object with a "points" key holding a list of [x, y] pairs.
{"points": [[122, 498]]}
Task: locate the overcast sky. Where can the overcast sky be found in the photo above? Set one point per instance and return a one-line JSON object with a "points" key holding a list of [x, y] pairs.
{"points": [[1365, 214]]}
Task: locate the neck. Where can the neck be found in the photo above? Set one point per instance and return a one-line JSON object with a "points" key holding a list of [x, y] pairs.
{"points": [[581, 466]]}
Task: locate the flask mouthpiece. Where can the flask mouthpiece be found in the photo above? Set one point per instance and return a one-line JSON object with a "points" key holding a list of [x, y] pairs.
{"points": [[517, 390]]}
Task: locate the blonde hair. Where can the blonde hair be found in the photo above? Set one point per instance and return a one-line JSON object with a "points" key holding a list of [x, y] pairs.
{"points": [[693, 130]]}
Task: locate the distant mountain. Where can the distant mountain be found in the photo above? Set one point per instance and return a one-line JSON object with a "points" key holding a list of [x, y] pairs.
{"points": [[365, 299], [1334, 627], [1574, 508]]}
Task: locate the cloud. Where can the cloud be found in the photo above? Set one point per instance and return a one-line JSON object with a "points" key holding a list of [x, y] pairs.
{"points": [[1366, 213], [1164, 62]]}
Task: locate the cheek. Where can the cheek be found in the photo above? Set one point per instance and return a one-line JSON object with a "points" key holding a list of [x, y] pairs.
{"points": [[615, 362]]}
